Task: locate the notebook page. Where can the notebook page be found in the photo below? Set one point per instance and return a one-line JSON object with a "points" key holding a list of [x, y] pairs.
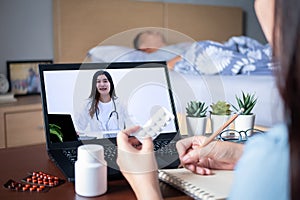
{"points": [[216, 186]]}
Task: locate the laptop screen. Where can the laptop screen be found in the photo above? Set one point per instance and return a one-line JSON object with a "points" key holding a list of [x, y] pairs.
{"points": [[74, 90]]}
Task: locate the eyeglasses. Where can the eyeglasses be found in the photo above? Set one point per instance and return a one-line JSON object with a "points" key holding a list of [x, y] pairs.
{"points": [[238, 136]]}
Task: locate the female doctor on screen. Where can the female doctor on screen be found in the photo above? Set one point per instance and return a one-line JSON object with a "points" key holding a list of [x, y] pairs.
{"points": [[102, 111]]}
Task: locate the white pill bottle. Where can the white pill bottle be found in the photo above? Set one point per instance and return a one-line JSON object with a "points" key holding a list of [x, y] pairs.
{"points": [[90, 171]]}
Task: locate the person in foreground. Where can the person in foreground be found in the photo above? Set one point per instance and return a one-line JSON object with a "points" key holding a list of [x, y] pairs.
{"points": [[268, 165]]}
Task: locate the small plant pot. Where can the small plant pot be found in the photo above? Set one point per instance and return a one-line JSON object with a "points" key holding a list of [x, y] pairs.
{"points": [[196, 126], [244, 123], [217, 121]]}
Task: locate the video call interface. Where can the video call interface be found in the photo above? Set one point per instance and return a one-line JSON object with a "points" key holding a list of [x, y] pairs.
{"points": [[138, 91]]}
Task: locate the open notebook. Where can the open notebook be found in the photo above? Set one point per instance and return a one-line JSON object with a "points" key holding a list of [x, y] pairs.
{"points": [[216, 186]]}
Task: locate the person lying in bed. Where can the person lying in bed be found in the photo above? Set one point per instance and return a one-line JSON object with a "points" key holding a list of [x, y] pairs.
{"points": [[150, 41], [237, 55]]}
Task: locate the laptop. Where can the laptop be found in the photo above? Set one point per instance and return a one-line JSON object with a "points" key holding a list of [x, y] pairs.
{"points": [[139, 86]]}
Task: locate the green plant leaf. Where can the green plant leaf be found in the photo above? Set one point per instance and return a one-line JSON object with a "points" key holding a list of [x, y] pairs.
{"points": [[56, 130], [196, 109], [247, 102], [220, 108]]}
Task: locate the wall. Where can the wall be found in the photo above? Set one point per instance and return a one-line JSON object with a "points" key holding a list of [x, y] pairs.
{"points": [[252, 27], [26, 27], [78, 26], [26, 30]]}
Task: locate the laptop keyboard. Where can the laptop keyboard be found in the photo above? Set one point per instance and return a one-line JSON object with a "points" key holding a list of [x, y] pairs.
{"points": [[165, 147], [71, 154], [110, 152]]}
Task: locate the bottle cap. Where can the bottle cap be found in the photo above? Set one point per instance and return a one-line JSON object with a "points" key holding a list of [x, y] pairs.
{"points": [[92, 153]]}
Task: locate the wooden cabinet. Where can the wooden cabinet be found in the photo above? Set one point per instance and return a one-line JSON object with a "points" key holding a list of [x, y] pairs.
{"points": [[21, 122]]}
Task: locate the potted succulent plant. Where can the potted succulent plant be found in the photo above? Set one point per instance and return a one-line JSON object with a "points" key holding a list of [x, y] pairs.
{"points": [[196, 117], [245, 121], [219, 114]]}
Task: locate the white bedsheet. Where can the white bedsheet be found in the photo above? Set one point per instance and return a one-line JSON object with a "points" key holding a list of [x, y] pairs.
{"points": [[211, 88]]}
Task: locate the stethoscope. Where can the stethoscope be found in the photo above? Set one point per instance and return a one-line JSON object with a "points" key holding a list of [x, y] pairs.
{"points": [[110, 115]]}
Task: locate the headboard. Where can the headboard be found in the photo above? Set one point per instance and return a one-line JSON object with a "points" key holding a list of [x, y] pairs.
{"points": [[80, 25]]}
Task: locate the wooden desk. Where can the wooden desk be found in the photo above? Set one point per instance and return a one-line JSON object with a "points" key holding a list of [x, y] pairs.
{"points": [[17, 162], [21, 122]]}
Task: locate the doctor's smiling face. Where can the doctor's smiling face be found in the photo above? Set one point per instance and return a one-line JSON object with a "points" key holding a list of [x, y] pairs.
{"points": [[103, 87]]}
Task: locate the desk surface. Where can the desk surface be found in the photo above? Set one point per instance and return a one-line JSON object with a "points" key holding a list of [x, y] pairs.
{"points": [[17, 162]]}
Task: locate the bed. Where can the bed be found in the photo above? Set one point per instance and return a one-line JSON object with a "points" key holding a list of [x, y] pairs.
{"points": [[83, 31]]}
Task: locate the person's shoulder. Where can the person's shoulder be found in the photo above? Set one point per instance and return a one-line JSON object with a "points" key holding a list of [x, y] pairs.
{"points": [[87, 102], [270, 149], [117, 101], [265, 157], [275, 136]]}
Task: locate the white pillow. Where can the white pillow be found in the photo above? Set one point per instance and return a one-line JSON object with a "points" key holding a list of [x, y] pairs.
{"points": [[113, 53], [108, 53]]}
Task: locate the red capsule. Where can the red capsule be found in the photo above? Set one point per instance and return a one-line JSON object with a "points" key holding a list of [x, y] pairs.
{"points": [[42, 186]]}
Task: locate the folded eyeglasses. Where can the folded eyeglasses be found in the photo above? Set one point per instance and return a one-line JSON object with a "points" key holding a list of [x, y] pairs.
{"points": [[238, 136]]}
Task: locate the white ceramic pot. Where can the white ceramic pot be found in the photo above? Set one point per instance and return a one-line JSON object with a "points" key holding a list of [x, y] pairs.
{"points": [[218, 121], [196, 126], [244, 123]]}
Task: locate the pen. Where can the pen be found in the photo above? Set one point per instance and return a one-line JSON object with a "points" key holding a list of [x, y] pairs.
{"points": [[227, 123], [215, 134]]}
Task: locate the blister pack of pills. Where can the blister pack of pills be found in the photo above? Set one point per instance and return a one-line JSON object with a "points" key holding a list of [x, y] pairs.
{"points": [[158, 121], [35, 182], [41, 178], [23, 187]]}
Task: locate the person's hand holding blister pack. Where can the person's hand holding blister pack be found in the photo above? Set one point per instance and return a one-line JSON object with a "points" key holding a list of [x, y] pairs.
{"points": [[160, 118]]}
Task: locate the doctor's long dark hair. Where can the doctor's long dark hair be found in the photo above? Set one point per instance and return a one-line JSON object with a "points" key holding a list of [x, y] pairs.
{"points": [[287, 52], [95, 95]]}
